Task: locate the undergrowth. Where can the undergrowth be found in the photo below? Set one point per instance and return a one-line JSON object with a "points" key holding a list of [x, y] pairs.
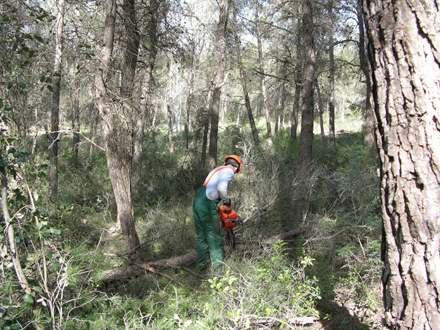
{"points": [[338, 255]]}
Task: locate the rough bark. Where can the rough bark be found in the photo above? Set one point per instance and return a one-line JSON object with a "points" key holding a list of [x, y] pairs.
{"points": [[262, 76], [53, 137], [218, 82], [243, 80], [306, 137], [404, 55], [117, 132]]}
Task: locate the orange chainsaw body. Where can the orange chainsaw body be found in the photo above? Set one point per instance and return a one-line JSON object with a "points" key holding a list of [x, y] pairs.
{"points": [[227, 214]]}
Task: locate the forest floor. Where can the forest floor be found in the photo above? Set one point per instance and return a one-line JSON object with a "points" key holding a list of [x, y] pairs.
{"points": [[349, 310]]}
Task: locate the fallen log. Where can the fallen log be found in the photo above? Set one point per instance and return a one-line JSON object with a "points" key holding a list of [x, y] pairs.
{"points": [[187, 259]]}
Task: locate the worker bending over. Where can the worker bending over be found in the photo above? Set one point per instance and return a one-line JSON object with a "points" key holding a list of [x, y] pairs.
{"points": [[206, 218]]}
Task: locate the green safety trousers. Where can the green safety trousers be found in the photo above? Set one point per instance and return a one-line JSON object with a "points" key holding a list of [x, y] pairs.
{"points": [[209, 238]]}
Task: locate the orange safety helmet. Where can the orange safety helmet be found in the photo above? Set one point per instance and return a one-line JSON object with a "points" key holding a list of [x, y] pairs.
{"points": [[237, 159]]}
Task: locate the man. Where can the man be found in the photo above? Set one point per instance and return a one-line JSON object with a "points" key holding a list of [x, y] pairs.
{"points": [[206, 218]]}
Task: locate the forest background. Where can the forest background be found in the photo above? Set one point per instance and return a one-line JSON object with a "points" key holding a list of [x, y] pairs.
{"points": [[113, 113]]}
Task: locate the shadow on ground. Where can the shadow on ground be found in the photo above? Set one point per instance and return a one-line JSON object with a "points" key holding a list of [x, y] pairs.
{"points": [[333, 316]]}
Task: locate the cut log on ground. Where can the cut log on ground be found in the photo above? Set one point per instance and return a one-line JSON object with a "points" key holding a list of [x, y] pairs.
{"points": [[187, 259]]}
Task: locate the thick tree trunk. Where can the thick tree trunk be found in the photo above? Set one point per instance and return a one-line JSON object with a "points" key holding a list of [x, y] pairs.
{"points": [[306, 137], [142, 113], [331, 79], [243, 80], [218, 82], [55, 116], [117, 135], [263, 77], [404, 55]]}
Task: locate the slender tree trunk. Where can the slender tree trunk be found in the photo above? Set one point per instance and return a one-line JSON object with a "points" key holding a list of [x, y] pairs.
{"points": [[168, 110], [205, 115], [369, 139], [281, 105], [13, 251], [321, 113], [142, 114], [204, 146], [94, 116], [298, 85], [192, 75], [404, 54], [243, 79], [76, 127], [331, 78], [55, 117], [306, 137], [76, 120], [117, 132], [218, 82], [263, 77]]}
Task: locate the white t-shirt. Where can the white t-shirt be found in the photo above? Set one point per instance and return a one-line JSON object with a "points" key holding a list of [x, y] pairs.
{"points": [[218, 183]]}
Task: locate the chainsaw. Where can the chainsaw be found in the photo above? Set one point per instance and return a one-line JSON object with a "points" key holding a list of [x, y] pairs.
{"points": [[229, 219]]}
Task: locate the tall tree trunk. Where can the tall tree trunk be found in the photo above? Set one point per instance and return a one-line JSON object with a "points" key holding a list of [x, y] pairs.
{"points": [[243, 79], [76, 122], [141, 114], [331, 78], [202, 173], [168, 110], [76, 126], [218, 82], [369, 139], [321, 113], [306, 137], [117, 132], [298, 84], [192, 75], [404, 54], [263, 77], [282, 102], [55, 116]]}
